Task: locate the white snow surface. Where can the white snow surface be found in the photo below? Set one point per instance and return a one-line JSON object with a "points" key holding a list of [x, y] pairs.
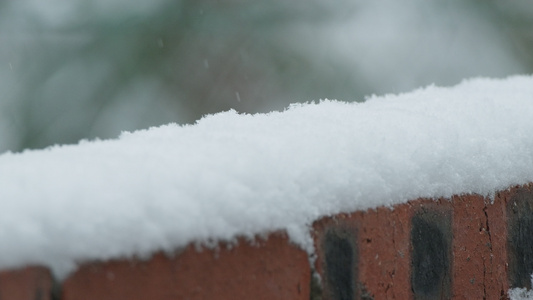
{"points": [[521, 293], [240, 175]]}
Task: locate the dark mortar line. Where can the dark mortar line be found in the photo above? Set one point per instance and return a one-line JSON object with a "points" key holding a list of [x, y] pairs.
{"points": [[490, 254], [396, 258]]}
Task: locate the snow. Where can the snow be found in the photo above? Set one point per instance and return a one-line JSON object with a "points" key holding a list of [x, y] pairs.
{"points": [[521, 293], [235, 174]]}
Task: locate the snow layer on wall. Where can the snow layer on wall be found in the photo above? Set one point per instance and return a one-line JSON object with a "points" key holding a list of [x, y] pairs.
{"points": [[233, 174]]}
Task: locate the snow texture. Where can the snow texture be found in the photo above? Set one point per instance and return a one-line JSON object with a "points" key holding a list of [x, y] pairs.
{"points": [[234, 174], [521, 293]]}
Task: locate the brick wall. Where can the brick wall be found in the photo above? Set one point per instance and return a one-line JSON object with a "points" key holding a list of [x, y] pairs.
{"points": [[466, 247]]}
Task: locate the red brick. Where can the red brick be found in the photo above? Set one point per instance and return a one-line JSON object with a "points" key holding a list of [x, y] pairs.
{"points": [[479, 248], [385, 264], [517, 204], [497, 280], [431, 254], [380, 241], [269, 269], [30, 283]]}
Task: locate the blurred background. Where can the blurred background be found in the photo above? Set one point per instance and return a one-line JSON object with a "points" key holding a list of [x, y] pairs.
{"points": [[85, 69]]}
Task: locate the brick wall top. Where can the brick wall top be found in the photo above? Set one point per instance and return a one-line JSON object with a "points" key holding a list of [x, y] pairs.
{"points": [[464, 247]]}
